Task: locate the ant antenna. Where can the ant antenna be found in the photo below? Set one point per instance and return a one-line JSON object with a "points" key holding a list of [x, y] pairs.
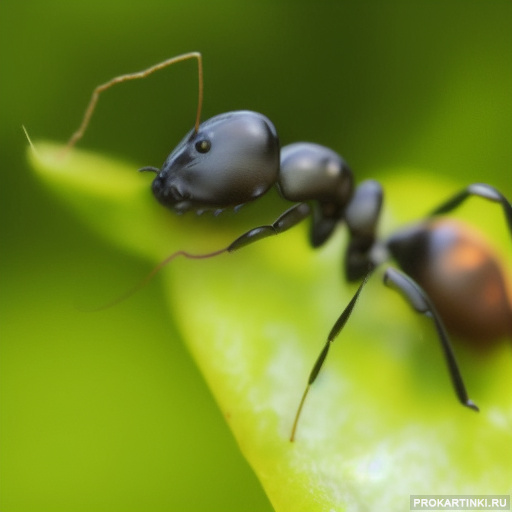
{"points": [[134, 76]]}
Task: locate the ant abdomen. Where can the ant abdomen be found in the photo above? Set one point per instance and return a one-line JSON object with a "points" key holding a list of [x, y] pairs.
{"points": [[462, 276]]}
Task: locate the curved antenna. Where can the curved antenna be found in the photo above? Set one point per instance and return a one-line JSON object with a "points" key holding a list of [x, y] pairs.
{"points": [[135, 76]]}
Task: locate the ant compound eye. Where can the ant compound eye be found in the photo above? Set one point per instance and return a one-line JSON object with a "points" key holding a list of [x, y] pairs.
{"points": [[203, 146]]}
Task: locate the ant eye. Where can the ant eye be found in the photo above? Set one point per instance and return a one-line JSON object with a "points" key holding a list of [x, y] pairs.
{"points": [[203, 146]]}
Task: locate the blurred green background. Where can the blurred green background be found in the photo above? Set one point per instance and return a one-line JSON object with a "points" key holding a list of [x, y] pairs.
{"points": [[101, 412]]}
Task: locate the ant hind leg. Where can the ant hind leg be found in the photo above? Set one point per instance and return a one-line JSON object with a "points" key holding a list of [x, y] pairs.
{"points": [[480, 190], [420, 302]]}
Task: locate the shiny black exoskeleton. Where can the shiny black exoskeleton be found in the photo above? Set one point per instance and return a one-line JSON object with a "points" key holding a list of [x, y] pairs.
{"points": [[233, 158], [448, 274]]}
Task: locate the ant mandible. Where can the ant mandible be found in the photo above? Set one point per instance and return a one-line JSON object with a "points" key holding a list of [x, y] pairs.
{"points": [[448, 274]]}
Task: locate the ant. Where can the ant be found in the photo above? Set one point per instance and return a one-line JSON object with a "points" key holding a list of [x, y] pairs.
{"points": [[448, 274]]}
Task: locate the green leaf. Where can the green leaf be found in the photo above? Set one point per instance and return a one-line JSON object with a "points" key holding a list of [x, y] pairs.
{"points": [[381, 423]]}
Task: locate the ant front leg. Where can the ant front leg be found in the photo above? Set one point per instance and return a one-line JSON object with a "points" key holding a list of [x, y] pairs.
{"points": [[421, 303], [285, 221], [481, 190]]}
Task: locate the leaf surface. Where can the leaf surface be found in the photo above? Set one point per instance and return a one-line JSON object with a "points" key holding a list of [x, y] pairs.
{"points": [[381, 422]]}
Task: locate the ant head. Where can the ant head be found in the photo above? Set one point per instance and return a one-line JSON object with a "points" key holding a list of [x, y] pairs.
{"points": [[229, 160]]}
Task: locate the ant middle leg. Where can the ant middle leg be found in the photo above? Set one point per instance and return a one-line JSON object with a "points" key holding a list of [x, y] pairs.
{"points": [[333, 334]]}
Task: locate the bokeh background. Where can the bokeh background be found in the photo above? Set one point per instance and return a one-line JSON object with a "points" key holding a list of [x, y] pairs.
{"points": [[101, 411]]}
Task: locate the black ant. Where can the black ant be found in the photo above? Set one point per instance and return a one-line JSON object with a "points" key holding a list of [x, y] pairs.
{"points": [[448, 275]]}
